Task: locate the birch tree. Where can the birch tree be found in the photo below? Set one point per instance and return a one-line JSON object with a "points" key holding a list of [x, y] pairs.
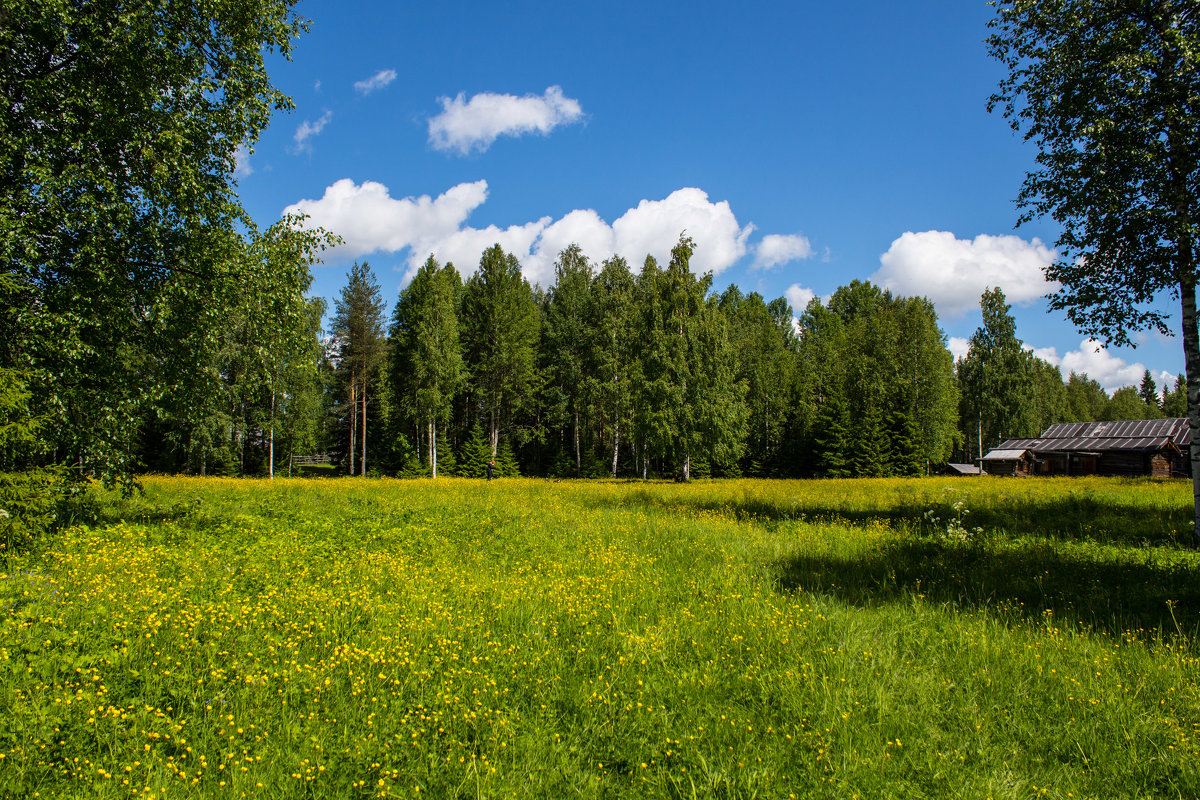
{"points": [[426, 356], [1108, 93]]}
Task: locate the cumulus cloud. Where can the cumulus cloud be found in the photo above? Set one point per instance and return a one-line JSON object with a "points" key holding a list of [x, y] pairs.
{"points": [[241, 161], [370, 220], [1111, 372], [953, 273], [799, 297], [377, 81], [958, 346], [465, 125], [307, 130], [776, 249]]}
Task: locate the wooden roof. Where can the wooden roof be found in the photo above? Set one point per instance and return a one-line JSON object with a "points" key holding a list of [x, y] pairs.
{"points": [[1141, 436]]}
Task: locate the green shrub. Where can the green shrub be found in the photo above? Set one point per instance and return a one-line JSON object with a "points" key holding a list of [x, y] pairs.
{"points": [[28, 506]]}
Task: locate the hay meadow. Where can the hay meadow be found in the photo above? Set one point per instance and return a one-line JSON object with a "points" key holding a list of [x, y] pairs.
{"points": [[345, 638]]}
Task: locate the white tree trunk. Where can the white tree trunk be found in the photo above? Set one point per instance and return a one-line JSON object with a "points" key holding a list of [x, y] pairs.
{"points": [[271, 459], [494, 434], [1191, 357], [616, 446]]}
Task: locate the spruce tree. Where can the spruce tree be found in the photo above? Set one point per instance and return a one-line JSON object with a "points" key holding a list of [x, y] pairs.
{"points": [[869, 455], [832, 437], [904, 440], [474, 454]]}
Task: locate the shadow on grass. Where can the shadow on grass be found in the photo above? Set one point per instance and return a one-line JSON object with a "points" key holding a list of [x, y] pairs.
{"points": [[1146, 593], [1073, 516]]}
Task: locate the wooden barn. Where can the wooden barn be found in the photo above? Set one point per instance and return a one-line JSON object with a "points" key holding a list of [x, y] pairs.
{"points": [[1155, 447]]}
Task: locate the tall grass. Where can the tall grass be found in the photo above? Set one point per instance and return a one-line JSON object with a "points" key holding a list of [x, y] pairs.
{"points": [[348, 638]]}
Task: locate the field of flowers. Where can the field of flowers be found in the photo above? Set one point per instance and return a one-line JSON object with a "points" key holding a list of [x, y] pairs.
{"points": [[521, 638]]}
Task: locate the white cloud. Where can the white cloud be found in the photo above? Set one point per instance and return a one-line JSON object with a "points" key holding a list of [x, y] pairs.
{"points": [[776, 249], [377, 81], [1111, 372], [798, 297], [958, 346], [466, 125], [241, 161], [307, 130], [370, 220], [317, 86], [953, 273]]}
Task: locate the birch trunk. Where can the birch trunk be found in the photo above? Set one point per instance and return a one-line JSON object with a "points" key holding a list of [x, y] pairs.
{"points": [[1191, 355], [494, 434], [578, 462], [271, 458], [432, 449], [616, 446], [363, 460]]}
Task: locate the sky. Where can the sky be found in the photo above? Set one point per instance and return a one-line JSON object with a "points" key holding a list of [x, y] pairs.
{"points": [[801, 145]]}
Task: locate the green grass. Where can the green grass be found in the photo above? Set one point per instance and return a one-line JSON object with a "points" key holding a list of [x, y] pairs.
{"points": [[349, 638]]}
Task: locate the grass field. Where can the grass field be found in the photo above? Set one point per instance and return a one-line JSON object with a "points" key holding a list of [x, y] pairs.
{"points": [[521, 638]]}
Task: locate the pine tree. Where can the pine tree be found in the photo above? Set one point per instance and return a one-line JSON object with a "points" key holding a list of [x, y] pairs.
{"points": [[357, 329]]}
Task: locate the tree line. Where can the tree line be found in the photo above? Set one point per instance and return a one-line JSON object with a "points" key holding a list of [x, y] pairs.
{"points": [[610, 372]]}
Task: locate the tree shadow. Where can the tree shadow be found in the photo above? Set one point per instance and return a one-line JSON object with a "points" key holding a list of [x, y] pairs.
{"points": [[1115, 566], [1144, 593], [1073, 516]]}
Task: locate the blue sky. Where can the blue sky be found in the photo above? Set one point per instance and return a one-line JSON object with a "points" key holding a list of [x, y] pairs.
{"points": [[802, 145]]}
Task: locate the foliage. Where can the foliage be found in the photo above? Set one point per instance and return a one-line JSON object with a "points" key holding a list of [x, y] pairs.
{"points": [[358, 335], [1174, 403], [568, 333], [28, 506], [501, 326], [119, 129], [995, 379], [1086, 399], [1107, 92], [866, 355], [474, 454], [425, 356], [1125, 403]]}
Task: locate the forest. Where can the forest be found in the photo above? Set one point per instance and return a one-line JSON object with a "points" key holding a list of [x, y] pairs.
{"points": [[609, 372]]}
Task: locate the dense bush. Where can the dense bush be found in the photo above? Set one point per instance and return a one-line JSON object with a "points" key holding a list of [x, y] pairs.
{"points": [[28, 506]]}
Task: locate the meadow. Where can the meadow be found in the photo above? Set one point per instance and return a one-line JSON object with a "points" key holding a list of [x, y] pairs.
{"points": [[325, 638]]}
